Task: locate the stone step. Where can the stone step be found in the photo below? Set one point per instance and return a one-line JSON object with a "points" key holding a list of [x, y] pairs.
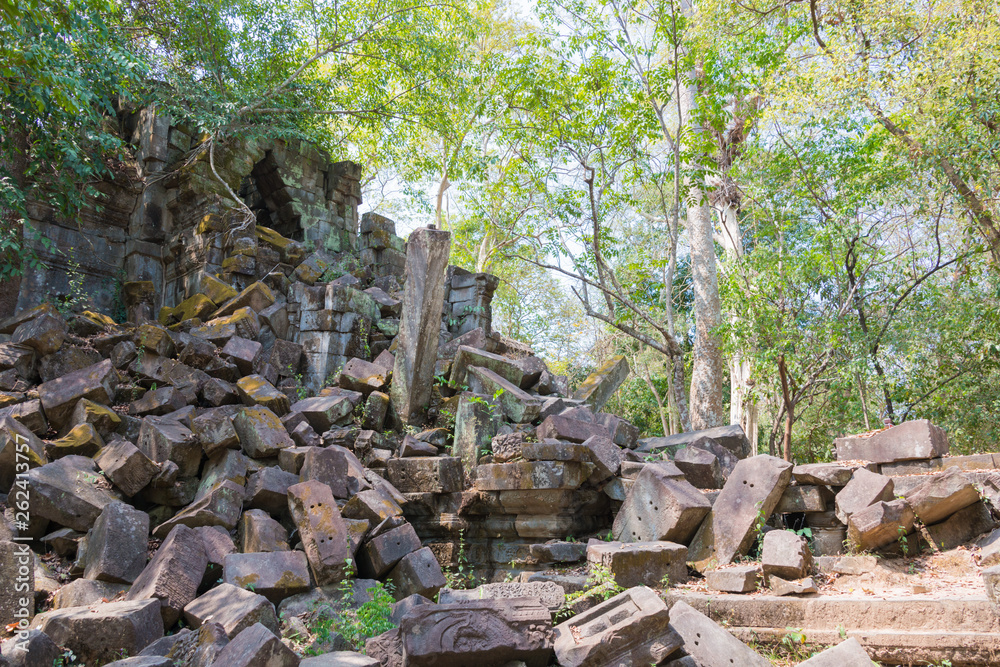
{"points": [[895, 631]]}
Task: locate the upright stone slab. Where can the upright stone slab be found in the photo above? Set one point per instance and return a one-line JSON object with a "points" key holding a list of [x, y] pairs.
{"points": [[322, 530], [603, 383], [752, 490], [708, 642], [659, 507], [942, 495], [917, 439], [427, 252], [477, 421], [116, 548], [631, 628], [482, 632], [174, 573], [864, 489]]}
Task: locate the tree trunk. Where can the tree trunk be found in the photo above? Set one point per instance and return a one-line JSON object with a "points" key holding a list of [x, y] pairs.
{"points": [[707, 369], [789, 407]]}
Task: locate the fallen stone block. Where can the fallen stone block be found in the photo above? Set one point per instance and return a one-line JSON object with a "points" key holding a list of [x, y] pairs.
{"points": [[101, 632], [255, 390], [340, 659], [221, 506], [32, 648], [321, 529], [104, 419], [258, 532], [731, 437], [785, 554], [163, 439], [324, 412], [700, 467], [261, 433], [708, 642], [158, 402], [655, 564], [82, 440], [387, 648], [752, 491], [244, 323], [559, 427], [438, 474], [267, 489], [848, 653], [17, 571], [363, 376], [328, 467], [484, 632], [173, 574], [961, 527], [606, 456], [232, 607], [781, 587], [257, 646], [518, 405], [846, 564], [276, 574], [116, 548], [864, 489], [631, 628], [373, 505], [68, 492], [214, 430], [418, 573], [413, 447], [45, 334], [477, 422], [941, 496], [15, 439], [880, 524], [192, 648], [381, 553], [827, 474], [917, 439], [84, 592], [603, 383], [660, 508], [739, 579], [801, 499], [559, 552], [468, 356], [547, 593], [59, 397], [527, 475]]}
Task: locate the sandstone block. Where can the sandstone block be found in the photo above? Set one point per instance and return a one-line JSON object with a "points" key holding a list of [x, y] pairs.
{"points": [[438, 474], [276, 574], [232, 607], [708, 643], [418, 573], [739, 579], [61, 395], [603, 383], [100, 633], [864, 489], [173, 575], [641, 563], [380, 554], [917, 439], [941, 496], [321, 529], [67, 492], [116, 549], [531, 475], [261, 433], [658, 507], [785, 554], [880, 524]]}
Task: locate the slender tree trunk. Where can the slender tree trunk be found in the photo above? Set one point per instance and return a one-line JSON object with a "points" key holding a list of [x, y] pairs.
{"points": [[786, 397], [707, 369]]}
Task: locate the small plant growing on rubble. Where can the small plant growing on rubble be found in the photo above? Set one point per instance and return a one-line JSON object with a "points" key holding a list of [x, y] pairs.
{"points": [[601, 586], [904, 545], [758, 528], [794, 642], [460, 575]]}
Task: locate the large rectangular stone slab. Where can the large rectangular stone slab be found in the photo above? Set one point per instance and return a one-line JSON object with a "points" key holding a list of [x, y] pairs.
{"points": [[100, 633], [426, 474], [655, 564], [917, 439], [632, 628], [731, 437], [708, 642], [518, 405], [60, 396], [321, 529], [603, 383], [942, 495], [660, 507], [526, 475], [752, 491]]}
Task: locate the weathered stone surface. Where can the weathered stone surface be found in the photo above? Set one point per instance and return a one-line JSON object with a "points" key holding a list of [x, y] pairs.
{"points": [[880, 524], [221, 506], [782, 587], [83, 592], [244, 323], [548, 450], [34, 648], [258, 532], [267, 489], [803, 499], [174, 574], [257, 646], [518, 405], [82, 440], [753, 489], [917, 439], [164, 439], [426, 474], [340, 659], [323, 412], [827, 474], [848, 653], [214, 430], [328, 467], [708, 643], [255, 390], [991, 578], [61, 395], [158, 402], [45, 334], [28, 413], [603, 383], [103, 418], [864, 489], [846, 564], [531, 475], [276, 574], [700, 467], [550, 594], [387, 648], [363, 376], [731, 437], [232, 607], [467, 356], [420, 320], [261, 433], [477, 422], [101, 632], [631, 628], [739, 579], [17, 603], [961, 527], [565, 428], [559, 552], [381, 553], [116, 548], [606, 456], [373, 505], [641, 563], [68, 492], [785, 554], [941, 496], [484, 632], [15, 439], [660, 508], [418, 573], [321, 529]]}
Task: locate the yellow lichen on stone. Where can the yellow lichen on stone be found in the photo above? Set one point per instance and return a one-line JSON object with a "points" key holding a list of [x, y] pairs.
{"points": [[272, 238], [82, 440], [197, 306], [99, 318], [216, 290]]}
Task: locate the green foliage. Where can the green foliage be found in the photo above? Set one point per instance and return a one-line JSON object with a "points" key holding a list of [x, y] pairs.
{"points": [[601, 586], [460, 575], [370, 619]]}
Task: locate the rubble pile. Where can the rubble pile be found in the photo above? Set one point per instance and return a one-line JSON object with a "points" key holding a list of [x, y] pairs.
{"points": [[292, 430]]}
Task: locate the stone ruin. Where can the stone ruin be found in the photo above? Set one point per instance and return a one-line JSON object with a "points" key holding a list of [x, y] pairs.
{"points": [[301, 405]]}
